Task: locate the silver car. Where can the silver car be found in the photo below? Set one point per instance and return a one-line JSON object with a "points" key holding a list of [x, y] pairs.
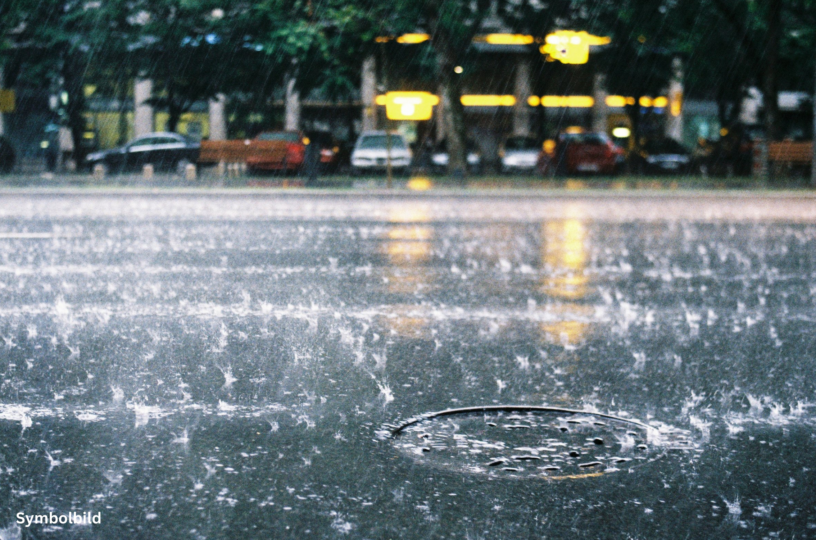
{"points": [[519, 154], [371, 153]]}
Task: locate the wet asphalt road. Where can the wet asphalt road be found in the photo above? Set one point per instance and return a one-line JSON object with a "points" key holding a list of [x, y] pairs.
{"points": [[229, 365]]}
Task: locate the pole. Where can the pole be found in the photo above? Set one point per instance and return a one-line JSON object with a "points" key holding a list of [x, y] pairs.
{"points": [[813, 138], [389, 171]]}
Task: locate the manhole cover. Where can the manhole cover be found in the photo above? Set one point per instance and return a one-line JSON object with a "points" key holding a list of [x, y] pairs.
{"points": [[525, 441]]}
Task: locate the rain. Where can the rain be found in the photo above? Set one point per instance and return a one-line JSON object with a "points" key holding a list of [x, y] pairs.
{"points": [[407, 269]]}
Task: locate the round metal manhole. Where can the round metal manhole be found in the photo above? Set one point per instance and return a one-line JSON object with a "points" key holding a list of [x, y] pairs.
{"points": [[527, 441]]}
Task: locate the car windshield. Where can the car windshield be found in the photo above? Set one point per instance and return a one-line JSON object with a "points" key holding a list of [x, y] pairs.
{"points": [[286, 136], [379, 142]]}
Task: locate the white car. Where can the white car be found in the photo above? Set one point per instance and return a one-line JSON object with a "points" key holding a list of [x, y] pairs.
{"points": [[519, 154], [370, 153]]}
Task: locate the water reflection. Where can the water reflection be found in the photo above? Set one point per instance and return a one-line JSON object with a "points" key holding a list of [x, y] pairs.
{"points": [[564, 254], [407, 246]]}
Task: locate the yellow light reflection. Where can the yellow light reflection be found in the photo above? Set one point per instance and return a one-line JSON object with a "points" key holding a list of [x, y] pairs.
{"points": [[660, 102], [564, 258], [407, 247], [419, 184]]}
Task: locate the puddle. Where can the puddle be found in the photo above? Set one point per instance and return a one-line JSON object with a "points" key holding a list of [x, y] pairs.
{"points": [[533, 442]]}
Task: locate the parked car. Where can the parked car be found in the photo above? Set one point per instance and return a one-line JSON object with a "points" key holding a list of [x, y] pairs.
{"points": [[7, 156], [165, 151], [283, 151], [440, 157], [582, 153], [661, 156], [370, 153], [333, 153], [519, 154]]}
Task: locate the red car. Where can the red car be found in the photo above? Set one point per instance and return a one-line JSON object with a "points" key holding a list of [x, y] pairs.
{"points": [[277, 151], [582, 153]]}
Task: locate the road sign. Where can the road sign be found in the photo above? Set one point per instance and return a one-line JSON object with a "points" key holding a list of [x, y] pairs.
{"points": [[408, 105], [569, 47]]}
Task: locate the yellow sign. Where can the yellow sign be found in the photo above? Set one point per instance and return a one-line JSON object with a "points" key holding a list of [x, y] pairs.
{"points": [[506, 39], [567, 101], [487, 100], [569, 47], [7, 101], [408, 105]]}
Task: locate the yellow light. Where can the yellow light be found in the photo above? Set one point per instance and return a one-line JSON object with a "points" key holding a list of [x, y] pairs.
{"points": [[306, 141], [44, 144], [574, 130], [458, 69], [580, 101], [645, 101], [676, 103], [383, 39], [509, 39], [660, 102], [630, 100], [548, 146], [567, 101], [621, 132], [408, 105], [88, 90], [413, 38], [615, 101], [533, 101], [484, 100], [88, 135], [723, 132], [570, 47], [419, 184]]}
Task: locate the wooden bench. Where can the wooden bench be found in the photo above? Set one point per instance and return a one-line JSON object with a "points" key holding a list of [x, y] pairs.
{"points": [[239, 151], [790, 159], [795, 153]]}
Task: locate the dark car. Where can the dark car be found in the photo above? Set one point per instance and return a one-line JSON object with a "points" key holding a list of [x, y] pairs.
{"points": [[661, 156], [333, 154], [7, 156], [440, 157], [165, 151]]}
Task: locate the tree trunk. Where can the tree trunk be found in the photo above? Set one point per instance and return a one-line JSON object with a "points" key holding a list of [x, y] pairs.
{"points": [[72, 70], [122, 127], [173, 111], [770, 79], [453, 112]]}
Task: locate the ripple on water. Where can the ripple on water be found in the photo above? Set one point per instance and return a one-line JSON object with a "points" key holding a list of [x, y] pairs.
{"points": [[550, 444]]}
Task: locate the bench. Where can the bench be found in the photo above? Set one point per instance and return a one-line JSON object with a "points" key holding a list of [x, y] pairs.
{"points": [[799, 153], [239, 151], [789, 158]]}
